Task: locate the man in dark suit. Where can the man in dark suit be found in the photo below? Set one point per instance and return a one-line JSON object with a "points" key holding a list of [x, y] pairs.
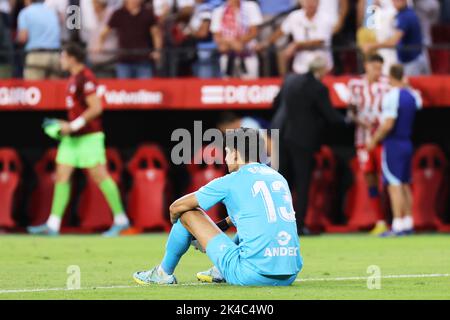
{"points": [[304, 111]]}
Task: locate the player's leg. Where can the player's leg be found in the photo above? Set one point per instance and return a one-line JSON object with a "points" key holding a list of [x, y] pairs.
{"points": [[213, 274], [396, 197], [177, 244], [408, 222], [375, 203], [370, 164], [61, 196], [111, 192], [192, 223]]}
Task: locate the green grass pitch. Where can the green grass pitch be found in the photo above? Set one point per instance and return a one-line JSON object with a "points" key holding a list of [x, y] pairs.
{"points": [[335, 267]]}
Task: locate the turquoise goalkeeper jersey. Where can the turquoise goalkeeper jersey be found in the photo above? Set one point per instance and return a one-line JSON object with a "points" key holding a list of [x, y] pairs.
{"points": [[259, 203]]}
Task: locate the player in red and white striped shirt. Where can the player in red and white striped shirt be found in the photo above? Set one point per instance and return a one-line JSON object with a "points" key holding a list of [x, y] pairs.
{"points": [[366, 96]]}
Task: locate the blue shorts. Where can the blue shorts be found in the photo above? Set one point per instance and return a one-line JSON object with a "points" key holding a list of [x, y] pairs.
{"points": [[396, 162], [224, 253]]}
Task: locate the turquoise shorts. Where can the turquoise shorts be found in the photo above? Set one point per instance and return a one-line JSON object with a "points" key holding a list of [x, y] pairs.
{"points": [[224, 253]]}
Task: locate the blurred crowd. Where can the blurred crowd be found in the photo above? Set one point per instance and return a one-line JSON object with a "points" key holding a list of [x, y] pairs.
{"points": [[215, 38]]}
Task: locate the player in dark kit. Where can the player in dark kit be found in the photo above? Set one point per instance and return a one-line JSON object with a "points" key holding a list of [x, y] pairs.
{"points": [[82, 144]]}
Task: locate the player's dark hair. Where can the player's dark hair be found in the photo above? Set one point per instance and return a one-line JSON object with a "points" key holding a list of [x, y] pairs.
{"points": [[248, 142], [227, 117], [75, 50], [397, 72], [373, 57]]}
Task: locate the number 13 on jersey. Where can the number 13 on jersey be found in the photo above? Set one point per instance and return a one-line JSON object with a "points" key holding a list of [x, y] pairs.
{"points": [[283, 201]]}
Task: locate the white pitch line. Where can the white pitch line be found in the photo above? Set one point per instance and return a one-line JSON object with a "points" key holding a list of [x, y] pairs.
{"points": [[399, 276]]}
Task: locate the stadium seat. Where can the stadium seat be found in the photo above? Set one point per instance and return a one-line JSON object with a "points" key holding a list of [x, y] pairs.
{"points": [[10, 174], [321, 191], [358, 210], [93, 211], [201, 174], [147, 205], [430, 186]]}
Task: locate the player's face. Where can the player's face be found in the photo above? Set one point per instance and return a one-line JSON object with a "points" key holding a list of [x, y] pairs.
{"points": [[231, 160], [65, 61], [399, 4], [310, 6], [133, 3], [234, 2], [374, 70]]}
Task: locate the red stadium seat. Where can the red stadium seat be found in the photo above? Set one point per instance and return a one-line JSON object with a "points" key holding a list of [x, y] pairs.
{"points": [[321, 191], [430, 186], [10, 173], [94, 211], [147, 205], [358, 210], [203, 173]]}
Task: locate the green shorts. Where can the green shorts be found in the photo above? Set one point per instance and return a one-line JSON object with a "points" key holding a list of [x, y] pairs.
{"points": [[86, 151]]}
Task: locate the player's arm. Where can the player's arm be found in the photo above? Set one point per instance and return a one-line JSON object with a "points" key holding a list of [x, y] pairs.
{"points": [[155, 33], [330, 114], [381, 133], [182, 205], [93, 111], [388, 43], [102, 38]]}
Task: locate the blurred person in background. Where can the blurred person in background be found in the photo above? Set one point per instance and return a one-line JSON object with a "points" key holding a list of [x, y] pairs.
{"points": [[207, 64], [445, 11], [39, 31], [140, 40], [6, 43], [270, 10], [337, 11], [376, 22], [428, 12], [181, 9], [311, 32], [81, 146], [308, 110], [235, 28], [407, 39], [90, 34], [366, 96], [399, 110]]}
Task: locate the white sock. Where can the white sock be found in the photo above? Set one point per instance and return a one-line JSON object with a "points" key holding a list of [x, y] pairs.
{"points": [[397, 225], [54, 222], [408, 223], [162, 273], [120, 219]]}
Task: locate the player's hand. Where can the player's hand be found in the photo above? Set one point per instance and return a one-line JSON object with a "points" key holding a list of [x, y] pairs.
{"points": [[174, 218], [65, 128], [261, 46], [156, 56], [197, 246], [366, 48], [290, 51], [371, 145]]}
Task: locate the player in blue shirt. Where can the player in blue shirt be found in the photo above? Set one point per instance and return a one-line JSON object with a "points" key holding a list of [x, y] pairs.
{"points": [[398, 112], [259, 204]]}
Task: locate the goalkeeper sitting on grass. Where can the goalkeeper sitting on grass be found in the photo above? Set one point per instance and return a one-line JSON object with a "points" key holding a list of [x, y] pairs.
{"points": [[82, 145], [259, 204]]}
